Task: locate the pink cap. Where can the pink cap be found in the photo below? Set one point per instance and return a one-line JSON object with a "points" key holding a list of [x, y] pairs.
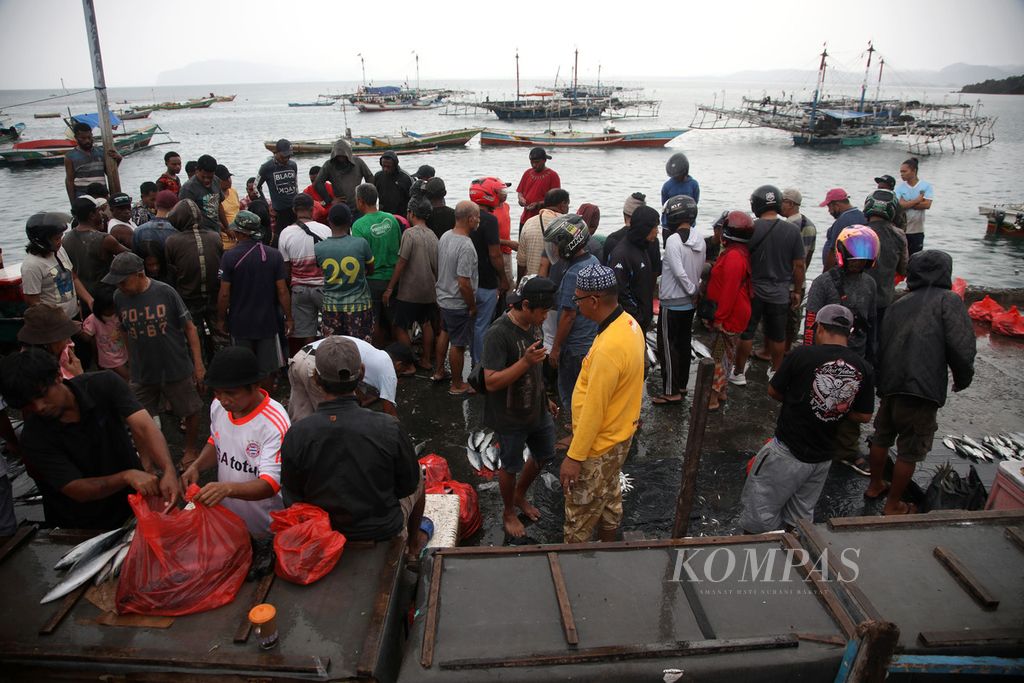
{"points": [[836, 194]]}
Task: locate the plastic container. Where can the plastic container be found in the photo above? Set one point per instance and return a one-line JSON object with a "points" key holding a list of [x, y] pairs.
{"points": [[1007, 491]]}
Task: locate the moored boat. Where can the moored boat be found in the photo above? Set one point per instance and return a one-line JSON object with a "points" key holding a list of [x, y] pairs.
{"points": [[191, 104], [47, 115], [375, 144], [134, 114], [1004, 220], [51, 152], [12, 132], [609, 138]]}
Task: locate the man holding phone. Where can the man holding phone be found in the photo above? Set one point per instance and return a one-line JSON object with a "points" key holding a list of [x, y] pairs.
{"points": [[517, 407]]}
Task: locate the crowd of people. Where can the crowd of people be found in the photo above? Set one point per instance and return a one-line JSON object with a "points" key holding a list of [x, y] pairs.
{"points": [[361, 278]]}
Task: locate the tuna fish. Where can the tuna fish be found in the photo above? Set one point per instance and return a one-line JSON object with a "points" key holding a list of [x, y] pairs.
{"points": [[93, 546]]}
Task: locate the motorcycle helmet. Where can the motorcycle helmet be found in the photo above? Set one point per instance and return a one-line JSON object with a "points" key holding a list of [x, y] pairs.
{"points": [[680, 209], [43, 226], [765, 198], [857, 242], [487, 192], [738, 227], [677, 165], [568, 233], [882, 203]]}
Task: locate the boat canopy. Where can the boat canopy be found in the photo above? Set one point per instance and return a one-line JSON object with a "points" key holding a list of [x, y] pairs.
{"points": [[94, 119], [382, 90], [845, 114]]}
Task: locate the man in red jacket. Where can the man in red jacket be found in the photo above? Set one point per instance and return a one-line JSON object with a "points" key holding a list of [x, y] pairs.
{"points": [[729, 296]]}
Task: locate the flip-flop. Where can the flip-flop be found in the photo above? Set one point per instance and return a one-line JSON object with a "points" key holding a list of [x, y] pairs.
{"points": [[468, 391], [881, 495], [858, 468], [662, 401], [443, 378]]}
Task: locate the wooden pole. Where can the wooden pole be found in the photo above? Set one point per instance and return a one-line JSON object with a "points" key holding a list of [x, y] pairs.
{"points": [[100, 83], [694, 442]]}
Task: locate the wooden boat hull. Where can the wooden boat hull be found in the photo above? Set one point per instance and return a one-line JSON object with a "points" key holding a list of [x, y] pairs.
{"points": [[375, 144], [1004, 220], [639, 139], [837, 141], [12, 133], [47, 115], [198, 104], [31, 153], [310, 104], [373, 107], [543, 112]]}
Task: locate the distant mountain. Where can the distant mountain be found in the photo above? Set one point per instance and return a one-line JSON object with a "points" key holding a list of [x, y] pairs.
{"points": [[216, 71], [956, 75], [1013, 85]]}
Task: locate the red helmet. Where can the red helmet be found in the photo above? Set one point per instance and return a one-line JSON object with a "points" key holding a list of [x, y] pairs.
{"points": [[487, 192], [738, 227]]}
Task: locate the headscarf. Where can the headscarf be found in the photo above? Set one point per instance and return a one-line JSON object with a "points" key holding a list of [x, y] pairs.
{"points": [[591, 215]]}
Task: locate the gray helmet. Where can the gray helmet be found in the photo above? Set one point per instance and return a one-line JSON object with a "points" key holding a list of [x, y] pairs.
{"points": [[568, 233], [677, 165], [680, 209], [43, 226], [882, 203], [765, 198]]}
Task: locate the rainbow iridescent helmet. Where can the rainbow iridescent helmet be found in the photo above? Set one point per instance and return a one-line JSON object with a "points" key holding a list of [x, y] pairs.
{"points": [[857, 242]]}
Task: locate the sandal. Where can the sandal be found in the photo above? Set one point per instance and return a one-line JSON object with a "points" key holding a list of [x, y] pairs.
{"points": [[443, 377], [468, 391], [860, 465], [664, 401], [908, 509]]}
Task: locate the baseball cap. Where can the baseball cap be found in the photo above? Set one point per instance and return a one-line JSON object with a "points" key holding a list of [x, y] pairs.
{"points": [[595, 278], [234, 366], [206, 163], [886, 180], [836, 194], [340, 214], [424, 172], [834, 314], [338, 360], [283, 147], [539, 291], [123, 266], [120, 200], [791, 194], [222, 172], [539, 153], [165, 199], [435, 188]]}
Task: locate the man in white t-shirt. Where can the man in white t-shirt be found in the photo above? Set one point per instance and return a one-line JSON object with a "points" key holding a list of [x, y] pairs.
{"points": [[380, 378], [247, 427], [305, 277]]}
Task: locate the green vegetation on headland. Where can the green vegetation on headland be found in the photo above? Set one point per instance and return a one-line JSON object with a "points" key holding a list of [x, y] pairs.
{"points": [[1014, 85]]}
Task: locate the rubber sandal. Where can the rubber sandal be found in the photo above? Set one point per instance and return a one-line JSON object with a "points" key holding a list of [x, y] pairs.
{"points": [[662, 401], [881, 495], [468, 391], [444, 377], [856, 466]]}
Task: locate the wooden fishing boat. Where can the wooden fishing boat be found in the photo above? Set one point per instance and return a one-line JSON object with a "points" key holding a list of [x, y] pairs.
{"points": [[546, 106], [609, 138], [322, 102], [47, 115], [134, 114], [191, 104], [51, 152], [225, 98], [367, 106], [409, 142], [1004, 220], [12, 132]]}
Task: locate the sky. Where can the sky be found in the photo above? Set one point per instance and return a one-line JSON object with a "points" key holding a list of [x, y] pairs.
{"points": [[42, 41]]}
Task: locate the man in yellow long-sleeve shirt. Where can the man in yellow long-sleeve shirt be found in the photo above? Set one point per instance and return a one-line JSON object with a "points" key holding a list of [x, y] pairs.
{"points": [[605, 411]]}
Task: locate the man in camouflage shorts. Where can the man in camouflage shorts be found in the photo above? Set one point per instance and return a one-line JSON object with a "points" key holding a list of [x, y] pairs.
{"points": [[596, 498]]}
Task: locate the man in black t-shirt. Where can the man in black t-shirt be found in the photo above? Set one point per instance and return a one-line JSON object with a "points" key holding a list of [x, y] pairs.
{"points": [[490, 267], [818, 386], [77, 442], [442, 218], [281, 175], [516, 406]]}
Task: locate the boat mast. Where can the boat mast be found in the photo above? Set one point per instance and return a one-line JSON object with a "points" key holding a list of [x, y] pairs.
{"points": [[599, 78], [100, 84], [417, 73], [575, 73], [867, 69], [878, 87], [363, 63], [818, 86], [517, 74]]}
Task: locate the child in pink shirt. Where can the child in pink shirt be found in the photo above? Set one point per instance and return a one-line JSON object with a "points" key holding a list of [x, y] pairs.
{"points": [[103, 327]]}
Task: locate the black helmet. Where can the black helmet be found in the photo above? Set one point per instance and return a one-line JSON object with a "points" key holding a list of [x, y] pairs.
{"points": [[765, 198], [420, 207], [677, 165], [882, 203], [680, 209], [42, 226], [568, 233], [738, 227]]}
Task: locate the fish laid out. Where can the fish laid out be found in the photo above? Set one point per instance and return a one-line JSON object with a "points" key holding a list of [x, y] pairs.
{"points": [[699, 350], [100, 558], [482, 451], [1006, 446]]}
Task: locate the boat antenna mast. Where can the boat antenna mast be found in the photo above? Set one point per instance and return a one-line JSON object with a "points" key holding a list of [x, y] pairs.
{"points": [[363, 63], [878, 86], [818, 86], [417, 73], [100, 83], [517, 74], [867, 70], [575, 72]]}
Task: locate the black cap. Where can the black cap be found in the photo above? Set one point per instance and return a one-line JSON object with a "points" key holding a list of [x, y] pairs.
{"points": [[340, 214], [123, 266], [206, 163], [283, 147], [222, 172], [424, 172], [120, 200], [886, 180], [235, 366], [538, 153], [539, 291]]}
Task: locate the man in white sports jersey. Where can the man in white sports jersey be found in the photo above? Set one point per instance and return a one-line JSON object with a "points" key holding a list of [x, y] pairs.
{"points": [[247, 428]]}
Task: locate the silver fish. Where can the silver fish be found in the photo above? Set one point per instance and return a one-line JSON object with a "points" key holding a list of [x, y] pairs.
{"points": [[699, 349], [420, 447], [625, 482], [106, 572], [475, 461], [119, 558], [949, 443], [652, 358], [526, 453], [81, 573], [491, 458], [486, 486], [94, 545], [970, 442], [550, 481]]}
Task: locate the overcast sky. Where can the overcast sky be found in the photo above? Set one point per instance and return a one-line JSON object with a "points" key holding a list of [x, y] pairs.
{"points": [[42, 41]]}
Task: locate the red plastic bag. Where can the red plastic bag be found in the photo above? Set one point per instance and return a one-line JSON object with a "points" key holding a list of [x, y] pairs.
{"points": [[1010, 323], [984, 309], [306, 546], [435, 469], [960, 287], [469, 506], [184, 561]]}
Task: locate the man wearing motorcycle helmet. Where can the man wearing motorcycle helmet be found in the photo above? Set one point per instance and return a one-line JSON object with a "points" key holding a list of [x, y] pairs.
{"points": [[881, 208], [493, 282], [679, 182], [47, 275]]}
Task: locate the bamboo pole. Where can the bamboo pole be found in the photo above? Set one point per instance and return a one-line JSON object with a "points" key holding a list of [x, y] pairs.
{"points": [[100, 83]]}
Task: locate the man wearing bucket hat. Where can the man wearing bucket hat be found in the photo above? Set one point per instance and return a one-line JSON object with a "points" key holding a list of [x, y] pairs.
{"points": [[160, 336], [246, 431], [252, 289], [48, 328], [605, 409]]}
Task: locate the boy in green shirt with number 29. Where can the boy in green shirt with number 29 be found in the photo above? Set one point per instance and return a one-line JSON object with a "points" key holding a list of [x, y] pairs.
{"points": [[346, 261]]}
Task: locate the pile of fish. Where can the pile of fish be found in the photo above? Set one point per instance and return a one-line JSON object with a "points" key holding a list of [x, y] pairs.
{"points": [[482, 451], [1006, 446], [99, 558]]}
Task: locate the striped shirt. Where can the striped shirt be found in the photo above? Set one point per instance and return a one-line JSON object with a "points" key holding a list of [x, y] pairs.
{"points": [[88, 167]]}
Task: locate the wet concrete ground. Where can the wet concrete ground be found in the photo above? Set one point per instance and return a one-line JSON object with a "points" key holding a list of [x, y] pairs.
{"points": [[994, 403]]}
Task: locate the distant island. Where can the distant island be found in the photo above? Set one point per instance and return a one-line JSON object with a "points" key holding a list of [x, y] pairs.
{"points": [[1014, 85]]}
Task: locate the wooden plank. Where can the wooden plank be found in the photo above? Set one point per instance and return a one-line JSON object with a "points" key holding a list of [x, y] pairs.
{"points": [[616, 653], [822, 638], [20, 536], [1016, 536], [65, 607], [939, 517], [878, 641], [977, 666], [982, 595], [822, 589], [991, 636], [816, 545], [694, 444], [244, 659], [368, 658], [259, 595], [433, 613], [616, 545], [564, 606], [71, 536]]}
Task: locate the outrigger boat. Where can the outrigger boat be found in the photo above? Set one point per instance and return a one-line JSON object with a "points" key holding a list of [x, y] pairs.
{"points": [[134, 114], [609, 138], [51, 152], [407, 142], [1004, 220], [190, 104], [321, 102], [12, 132]]}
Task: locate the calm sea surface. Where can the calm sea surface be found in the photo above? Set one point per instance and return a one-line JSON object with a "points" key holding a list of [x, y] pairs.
{"points": [[728, 164]]}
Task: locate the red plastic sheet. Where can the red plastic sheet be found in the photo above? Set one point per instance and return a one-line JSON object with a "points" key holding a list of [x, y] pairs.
{"points": [[435, 469], [960, 287], [184, 561], [984, 310], [469, 505], [1010, 323], [306, 546]]}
